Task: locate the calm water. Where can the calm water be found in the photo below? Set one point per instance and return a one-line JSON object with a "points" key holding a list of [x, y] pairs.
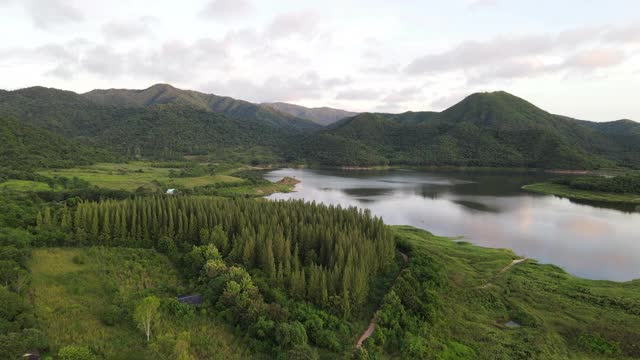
{"points": [[488, 209]]}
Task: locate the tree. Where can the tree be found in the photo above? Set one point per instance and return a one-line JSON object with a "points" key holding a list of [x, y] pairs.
{"points": [[145, 314]]}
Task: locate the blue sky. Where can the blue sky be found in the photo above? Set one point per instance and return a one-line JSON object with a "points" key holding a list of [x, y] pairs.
{"points": [[578, 58]]}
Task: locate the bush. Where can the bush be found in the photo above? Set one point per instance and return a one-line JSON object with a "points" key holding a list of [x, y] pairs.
{"points": [[593, 343], [76, 353], [78, 260], [112, 315]]}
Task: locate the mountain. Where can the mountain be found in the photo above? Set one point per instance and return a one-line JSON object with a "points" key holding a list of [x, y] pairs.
{"points": [[320, 115], [167, 129], [25, 147], [484, 129], [167, 94]]}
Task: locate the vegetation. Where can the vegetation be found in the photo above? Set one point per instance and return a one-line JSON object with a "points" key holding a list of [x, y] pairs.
{"points": [[619, 189], [86, 299], [450, 304], [25, 147], [487, 129]]}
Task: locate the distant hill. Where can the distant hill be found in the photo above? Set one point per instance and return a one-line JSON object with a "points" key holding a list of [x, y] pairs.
{"points": [[26, 147], [167, 129], [484, 129], [320, 115], [167, 94]]}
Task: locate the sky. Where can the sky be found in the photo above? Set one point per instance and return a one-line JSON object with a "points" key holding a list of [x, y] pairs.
{"points": [[579, 58]]}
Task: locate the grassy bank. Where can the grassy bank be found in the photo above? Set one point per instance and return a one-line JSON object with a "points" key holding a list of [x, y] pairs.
{"points": [[566, 191], [557, 316], [86, 297]]}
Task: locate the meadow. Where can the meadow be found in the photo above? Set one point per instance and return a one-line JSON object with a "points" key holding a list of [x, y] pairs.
{"points": [[86, 297], [130, 176]]}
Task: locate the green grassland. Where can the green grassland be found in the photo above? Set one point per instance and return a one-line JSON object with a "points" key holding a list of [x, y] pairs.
{"points": [[566, 191], [24, 185], [86, 297], [132, 175], [560, 316]]}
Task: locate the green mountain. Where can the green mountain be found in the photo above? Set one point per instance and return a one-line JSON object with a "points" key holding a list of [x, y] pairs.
{"points": [[25, 147], [485, 129], [166, 129], [167, 94], [320, 115]]}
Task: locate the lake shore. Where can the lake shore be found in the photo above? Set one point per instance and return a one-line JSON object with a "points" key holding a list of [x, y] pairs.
{"points": [[566, 191]]}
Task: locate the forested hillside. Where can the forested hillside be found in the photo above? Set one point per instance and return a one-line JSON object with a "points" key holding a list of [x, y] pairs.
{"points": [[167, 94], [163, 131], [24, 147], [487, 129]]}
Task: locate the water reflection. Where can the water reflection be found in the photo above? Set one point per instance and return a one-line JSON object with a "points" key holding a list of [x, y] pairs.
{"points": [[488, 209]]}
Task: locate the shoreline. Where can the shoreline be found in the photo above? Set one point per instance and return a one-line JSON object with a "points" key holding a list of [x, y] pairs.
{"points": [[575, 194]]}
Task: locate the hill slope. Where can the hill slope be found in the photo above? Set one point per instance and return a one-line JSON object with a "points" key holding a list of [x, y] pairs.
{"points": [[165, 130], [167, 94], [25, 147], [319, 115], [487, 129]]}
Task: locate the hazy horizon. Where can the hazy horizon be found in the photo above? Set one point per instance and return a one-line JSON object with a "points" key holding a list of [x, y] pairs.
{"points": [[576, 59]]}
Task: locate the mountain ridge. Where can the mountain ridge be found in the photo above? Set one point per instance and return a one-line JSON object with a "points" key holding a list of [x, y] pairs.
{"points": [[484, 129], [323, 115]]}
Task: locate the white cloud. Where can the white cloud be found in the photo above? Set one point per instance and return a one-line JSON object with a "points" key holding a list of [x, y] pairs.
{"points": [[226, 9], [128, 29], [50, 13]]}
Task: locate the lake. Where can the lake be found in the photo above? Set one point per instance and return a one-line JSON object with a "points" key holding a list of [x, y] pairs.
{"points": [[488, 208]]}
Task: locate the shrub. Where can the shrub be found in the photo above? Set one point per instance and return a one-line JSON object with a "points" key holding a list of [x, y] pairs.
{"points": [[76, 353]]}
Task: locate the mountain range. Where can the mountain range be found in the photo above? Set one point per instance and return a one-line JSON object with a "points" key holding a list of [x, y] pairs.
{"points": [[163, 122]]}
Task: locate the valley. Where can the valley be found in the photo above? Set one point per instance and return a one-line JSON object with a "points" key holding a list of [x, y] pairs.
{"points": [[298, 230]]}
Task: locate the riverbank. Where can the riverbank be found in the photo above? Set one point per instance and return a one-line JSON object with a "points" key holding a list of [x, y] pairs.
{"points": [[560, 316], [566, 191]]}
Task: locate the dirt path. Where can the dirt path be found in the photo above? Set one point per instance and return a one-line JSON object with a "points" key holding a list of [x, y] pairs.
{"points": [[503, 270], [372, 325]]}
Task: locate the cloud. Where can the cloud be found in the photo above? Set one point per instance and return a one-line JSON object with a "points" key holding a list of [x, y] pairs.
{"points": [[596, 58], [402, 95], [275, 88], [623, 34], [46, 14], [446, 101], [128, 29], [169, 61], [226, 9], [476, 4], [303, 23], [358, 94], [508, 57], [471, 54]]}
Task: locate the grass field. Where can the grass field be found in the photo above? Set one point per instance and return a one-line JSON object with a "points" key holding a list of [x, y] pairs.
{"points": [[565, 191], [76, 293], [560, 316], [25, 185], [132, 175]]}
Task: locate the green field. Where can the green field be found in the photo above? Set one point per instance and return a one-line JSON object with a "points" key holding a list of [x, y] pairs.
{"points": [[86, 297], [132, 175], [25, 185], [566, 191], [560, 316]]}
